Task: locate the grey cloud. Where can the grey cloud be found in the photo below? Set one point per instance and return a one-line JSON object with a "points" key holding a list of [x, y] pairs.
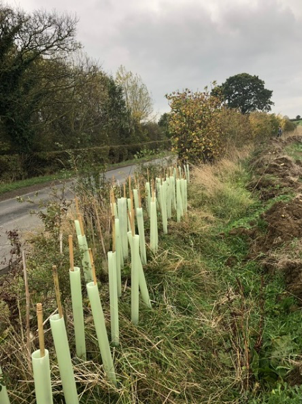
{"points": [[187, 48], [184, 44]]}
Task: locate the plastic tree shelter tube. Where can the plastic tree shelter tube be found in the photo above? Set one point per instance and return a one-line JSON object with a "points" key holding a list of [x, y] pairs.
{"points": [[163, 206], [64, 360], [119, 256], [112, 271], [141, 232], [100, 328], [135, 197], [134, 246], [77, 308], [41, 370], [122, 215], [78, 228], [86, 262], [148, 196], [173, 196], [169, 198], [143, 285], [153, 226], [179, 200], [188, 173], [130, 213], [4, 399], [184, 191], [40, 363]]}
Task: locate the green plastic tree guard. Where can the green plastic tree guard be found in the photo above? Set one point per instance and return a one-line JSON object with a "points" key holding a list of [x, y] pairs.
{"points": [[134, 247], [179, 200], [188, 173], [112, 271], [153, 226], [169, 197], [143, 285], [148, 196], [59, 335], [100, 328], [123, 218], [163, 205], [4, 399], [77, 308], [135, 197], [78, 228], [41, 370], [86, 263], [130, 213], [141, 232], [172, 181], [119, 256]]}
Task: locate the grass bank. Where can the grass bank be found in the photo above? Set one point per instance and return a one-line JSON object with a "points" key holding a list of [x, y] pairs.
{"points": [[224, 328]]}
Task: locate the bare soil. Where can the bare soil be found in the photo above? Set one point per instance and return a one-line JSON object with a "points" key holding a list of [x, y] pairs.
{"points": [[277, 243]]}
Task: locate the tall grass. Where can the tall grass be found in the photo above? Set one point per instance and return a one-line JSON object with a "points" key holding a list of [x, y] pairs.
{"points": [[211, 307]]}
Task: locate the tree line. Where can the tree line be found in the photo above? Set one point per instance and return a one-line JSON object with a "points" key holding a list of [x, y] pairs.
{"points": [[204, 125], [53, 97]]}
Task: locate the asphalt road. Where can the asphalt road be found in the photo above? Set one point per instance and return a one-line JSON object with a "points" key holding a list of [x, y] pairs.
{"points": [[15, 215]]}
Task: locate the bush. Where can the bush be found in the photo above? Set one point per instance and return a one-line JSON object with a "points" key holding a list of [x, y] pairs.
{"points": [[287, 125], [11, 168], [264, 125], [236, 128], [195, 126]]}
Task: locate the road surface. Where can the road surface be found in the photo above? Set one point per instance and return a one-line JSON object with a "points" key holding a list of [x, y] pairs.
{"points": [[15, 215]]}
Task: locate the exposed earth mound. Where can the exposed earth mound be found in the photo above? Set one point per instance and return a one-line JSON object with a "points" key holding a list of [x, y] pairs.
{"points": [[276, 172], [275, 239]]}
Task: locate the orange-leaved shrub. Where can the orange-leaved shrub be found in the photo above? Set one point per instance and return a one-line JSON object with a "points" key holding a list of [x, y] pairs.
{"points": [[195, 125], [203, 129], [263, 125]]}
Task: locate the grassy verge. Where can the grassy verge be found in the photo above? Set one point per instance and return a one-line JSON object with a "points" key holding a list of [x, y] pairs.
{"points": [[221, 330]]}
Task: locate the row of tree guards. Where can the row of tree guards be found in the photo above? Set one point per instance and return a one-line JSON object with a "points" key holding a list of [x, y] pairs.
{"points": [[163, 195]]}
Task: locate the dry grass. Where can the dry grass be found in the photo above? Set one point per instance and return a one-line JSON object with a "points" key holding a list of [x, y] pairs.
{"points": [[194, 345]]}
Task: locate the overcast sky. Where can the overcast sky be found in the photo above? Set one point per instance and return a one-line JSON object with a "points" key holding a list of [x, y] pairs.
{"points": [[177, 44]]}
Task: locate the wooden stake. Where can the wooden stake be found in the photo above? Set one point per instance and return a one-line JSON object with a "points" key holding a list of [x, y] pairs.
{"points": [[92, 231], [57, 290], [112, 201], [113, 233], [71, 258], [132, 206], [61, 242], [40, 329], [131, 224], [125, 190], [99, 228], [77, 205], [92, 266], [130, 190]]}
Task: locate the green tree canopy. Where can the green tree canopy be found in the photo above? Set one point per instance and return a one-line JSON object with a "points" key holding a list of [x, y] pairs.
{"points": [[27, 43], [246, 93], [163, 123], [137, 97]]}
